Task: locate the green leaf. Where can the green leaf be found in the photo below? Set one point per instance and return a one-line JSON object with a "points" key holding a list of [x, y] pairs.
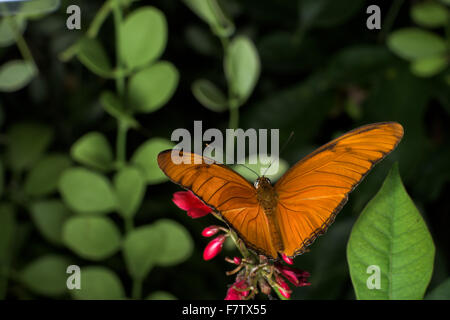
{"points": [[140, 249], [177, 244], [93, 238], [391, 234], [428, 67], [93, 56], [242, 67], [210, 12], [429, 14], [441, 292], [49, 217], [209, 95], [44, 176], [16, 74], [36, 9], [112, 104], [93, 150], [46, 275], [152, 87], [7, 231], [86, 191], [27, 142], [143, 36], [262, 166], [7, 34], [146, 158], [99, 283], [415, 43], [130, 189], [161, 295]]}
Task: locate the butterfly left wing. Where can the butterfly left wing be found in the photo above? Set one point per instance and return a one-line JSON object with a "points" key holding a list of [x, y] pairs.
{"points": [[225, 191], [315, 189]]}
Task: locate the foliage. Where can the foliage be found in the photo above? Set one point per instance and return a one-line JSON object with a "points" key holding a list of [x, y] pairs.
{"points": [[83, 114]]}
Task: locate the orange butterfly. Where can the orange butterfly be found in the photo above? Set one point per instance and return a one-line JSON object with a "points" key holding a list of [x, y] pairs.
{"points": [[287, 217]]}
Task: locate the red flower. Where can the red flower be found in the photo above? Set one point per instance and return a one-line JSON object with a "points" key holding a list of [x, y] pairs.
{"points": [[188, 201], [297, 277], [237, 291], [214, 247], [210, 231]]}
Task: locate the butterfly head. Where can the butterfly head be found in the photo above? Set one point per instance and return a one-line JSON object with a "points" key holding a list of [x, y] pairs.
{"points": [[262, 182]]}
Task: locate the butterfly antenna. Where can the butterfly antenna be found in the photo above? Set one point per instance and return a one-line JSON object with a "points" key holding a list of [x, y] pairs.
{"points": [[239, 164], [282, 149]]}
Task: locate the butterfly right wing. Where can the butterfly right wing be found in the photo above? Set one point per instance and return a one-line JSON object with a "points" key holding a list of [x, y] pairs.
{"points": [[225, 191]]}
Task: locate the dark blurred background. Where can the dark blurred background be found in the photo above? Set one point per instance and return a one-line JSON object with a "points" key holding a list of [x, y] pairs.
{"points": [[317, 82]]}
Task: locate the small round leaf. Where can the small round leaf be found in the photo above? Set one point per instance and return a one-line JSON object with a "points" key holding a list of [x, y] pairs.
{"points": [[49, 217], [151, 88], [99, 283], [16, 74], [44, 176], [415, 43], [93, 150], [86, 191], [46, 275], [93, 238], [209, 95], [93, 56], [242, 67], [429, 14], [143, 36], [146, 158], [130, 189]]}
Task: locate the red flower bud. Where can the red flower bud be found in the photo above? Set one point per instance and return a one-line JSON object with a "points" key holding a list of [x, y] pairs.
{"points": [[283, 288], [237, 260], [210, 231], [287, 259], [214, 247], [189, 202]]}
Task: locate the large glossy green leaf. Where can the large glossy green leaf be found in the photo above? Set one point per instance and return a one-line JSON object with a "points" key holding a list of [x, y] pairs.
{"points": [[152, 87], [46, 275], [86, 191], [146, 158], [94, 238], [27, 142], [44, 176], [99, 283], [49, 217], [390, 234], [93, 150], [242, 67], [143, 36]]}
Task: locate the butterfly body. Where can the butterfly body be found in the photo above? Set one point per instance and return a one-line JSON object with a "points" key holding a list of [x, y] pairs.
{"points": [[268, 200], [285, 218]]}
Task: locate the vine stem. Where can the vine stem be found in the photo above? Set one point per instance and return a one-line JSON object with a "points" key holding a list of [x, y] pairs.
{"points": [[21, 43], [390, 18]]}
